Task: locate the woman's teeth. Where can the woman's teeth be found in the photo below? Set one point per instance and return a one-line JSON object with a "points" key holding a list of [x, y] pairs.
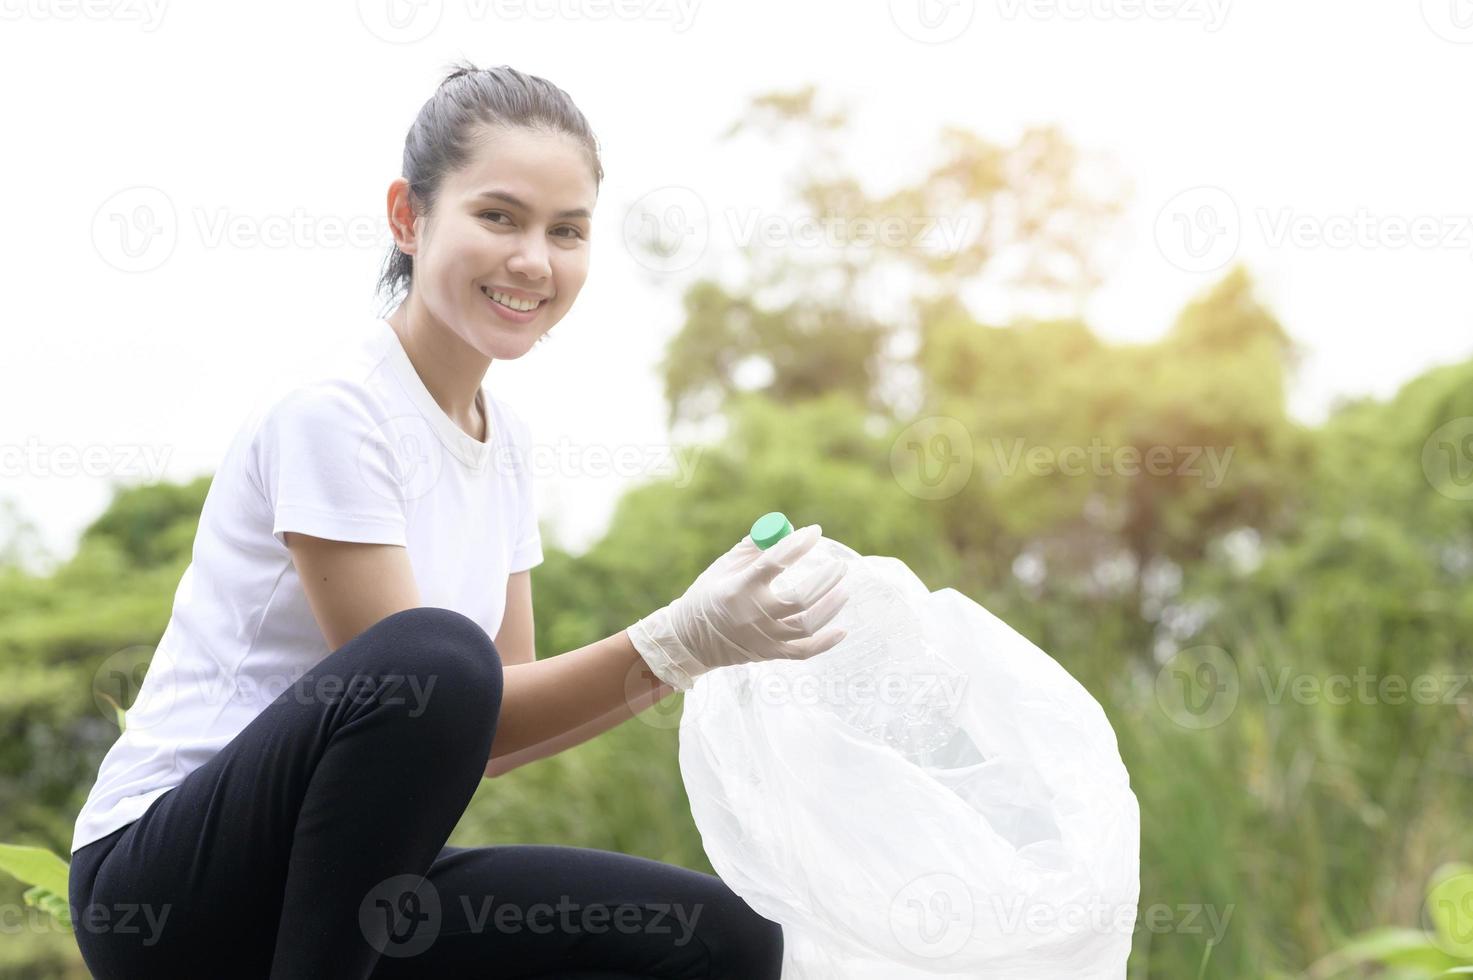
{"points": [[520, 305]]}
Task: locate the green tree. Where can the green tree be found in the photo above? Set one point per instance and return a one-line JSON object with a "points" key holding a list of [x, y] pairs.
{"points": [[804, 321]]}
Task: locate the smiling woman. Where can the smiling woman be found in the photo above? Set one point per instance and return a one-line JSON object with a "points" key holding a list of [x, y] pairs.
{"points": [[491, 221], [488, 283], [360, 529]]}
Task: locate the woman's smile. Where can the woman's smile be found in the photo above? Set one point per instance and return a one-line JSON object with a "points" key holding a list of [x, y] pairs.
{"points": [[509, 312]]}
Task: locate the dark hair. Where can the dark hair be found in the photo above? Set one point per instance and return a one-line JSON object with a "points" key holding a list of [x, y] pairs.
{"points": [[443, 135]]}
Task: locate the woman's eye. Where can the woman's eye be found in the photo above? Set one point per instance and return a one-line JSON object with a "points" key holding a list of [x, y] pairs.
{"points": [[564, 228]]}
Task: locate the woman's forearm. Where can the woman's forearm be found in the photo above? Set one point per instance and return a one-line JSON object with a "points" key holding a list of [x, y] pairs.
{"points": [[501, 764], [550, 705]]}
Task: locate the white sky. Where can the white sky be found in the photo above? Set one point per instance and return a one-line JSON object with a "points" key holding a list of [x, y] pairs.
{"points": [[1312, 110]]}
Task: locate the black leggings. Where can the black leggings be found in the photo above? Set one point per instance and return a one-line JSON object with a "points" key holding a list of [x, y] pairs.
{"points": [[313, 846]]}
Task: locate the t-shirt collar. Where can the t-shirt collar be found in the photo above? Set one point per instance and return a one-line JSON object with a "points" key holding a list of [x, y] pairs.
{"points": [[465, 448]]}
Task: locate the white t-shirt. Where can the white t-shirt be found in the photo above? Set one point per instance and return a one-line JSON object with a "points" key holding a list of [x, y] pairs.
{"points": [[363, 453]]}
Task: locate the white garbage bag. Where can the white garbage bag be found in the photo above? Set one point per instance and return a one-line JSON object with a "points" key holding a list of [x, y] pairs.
{"points": [[932, 797]]}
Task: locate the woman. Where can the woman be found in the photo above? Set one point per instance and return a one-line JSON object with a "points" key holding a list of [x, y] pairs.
{"points": [[327, 694]]}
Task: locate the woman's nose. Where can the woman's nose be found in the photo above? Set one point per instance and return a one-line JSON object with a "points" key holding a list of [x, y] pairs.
{"points": [[530, 259]]}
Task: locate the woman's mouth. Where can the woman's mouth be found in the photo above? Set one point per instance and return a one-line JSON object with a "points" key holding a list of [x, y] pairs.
{"points": [[510, 308]]}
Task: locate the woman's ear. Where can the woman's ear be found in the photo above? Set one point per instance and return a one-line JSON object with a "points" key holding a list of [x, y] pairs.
{"points": [[402, 216]]}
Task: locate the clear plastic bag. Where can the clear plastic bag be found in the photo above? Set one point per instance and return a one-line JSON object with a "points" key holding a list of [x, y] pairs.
{"points": [[933, 797]]}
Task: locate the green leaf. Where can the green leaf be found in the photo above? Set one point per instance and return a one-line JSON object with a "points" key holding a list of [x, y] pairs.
{"points": [[1392, 946], [1450, 907], [49, 902], [36, 866], [122, 715]]}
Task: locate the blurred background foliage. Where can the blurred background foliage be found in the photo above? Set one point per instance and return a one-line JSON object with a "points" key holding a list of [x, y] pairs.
{"points": [[1316, 551]]}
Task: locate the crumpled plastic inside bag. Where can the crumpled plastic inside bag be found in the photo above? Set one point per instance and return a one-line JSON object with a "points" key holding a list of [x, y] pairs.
{"points": [[933, 797]]}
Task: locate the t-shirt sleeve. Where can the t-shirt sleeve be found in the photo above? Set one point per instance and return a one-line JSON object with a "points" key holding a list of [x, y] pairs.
{"points": [[326, 470], [527, 552]]}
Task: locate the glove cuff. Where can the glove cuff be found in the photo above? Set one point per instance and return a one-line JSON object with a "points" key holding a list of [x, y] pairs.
{"points": [[655, 640]]}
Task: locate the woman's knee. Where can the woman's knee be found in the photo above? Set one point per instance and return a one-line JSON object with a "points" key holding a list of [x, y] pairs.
{"points": [[761, 944], [444, 658], [743, 944]]}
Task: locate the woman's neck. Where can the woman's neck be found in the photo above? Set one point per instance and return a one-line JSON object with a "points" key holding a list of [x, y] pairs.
{"points": [[450, 371]]}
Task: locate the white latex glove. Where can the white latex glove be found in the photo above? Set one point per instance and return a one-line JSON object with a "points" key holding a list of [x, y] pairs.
{"points": [[729, 615]]}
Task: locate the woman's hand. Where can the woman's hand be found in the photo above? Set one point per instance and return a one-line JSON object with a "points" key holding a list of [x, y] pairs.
{"points": [[730, 615]]}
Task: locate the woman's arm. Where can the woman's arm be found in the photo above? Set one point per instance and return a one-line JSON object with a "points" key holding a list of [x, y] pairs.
{"points": [[514, 642], [553, 704], [546, 705]]}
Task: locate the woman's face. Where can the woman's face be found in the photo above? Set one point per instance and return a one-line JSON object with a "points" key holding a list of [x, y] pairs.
{"points": [[514, 221]]}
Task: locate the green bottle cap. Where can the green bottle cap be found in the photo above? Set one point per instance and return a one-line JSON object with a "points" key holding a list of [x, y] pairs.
{"points": [[770, 529]]}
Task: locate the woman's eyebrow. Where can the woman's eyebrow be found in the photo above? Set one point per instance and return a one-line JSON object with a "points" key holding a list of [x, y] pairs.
{"points": [[518, 202]]}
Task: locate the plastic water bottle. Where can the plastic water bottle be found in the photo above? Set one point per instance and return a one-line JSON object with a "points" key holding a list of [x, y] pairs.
{"points": [[882, 679]]}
